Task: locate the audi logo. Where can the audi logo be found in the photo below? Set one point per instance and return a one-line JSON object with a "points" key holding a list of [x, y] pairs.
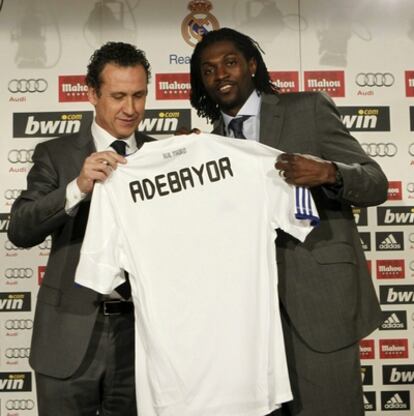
{"points": [[20, 155], [380, 149], [412, 265], [9, 246], [18, 324], [374, 79], [17, 352], [46, 245], [18, 273], [411, 149], [22, 404], [11, 194], [411, 237], [27, 85], [410, 187]]}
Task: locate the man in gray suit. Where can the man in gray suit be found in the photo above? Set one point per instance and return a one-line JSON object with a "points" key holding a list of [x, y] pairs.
{"points": [[82, 347], [326, 294]]}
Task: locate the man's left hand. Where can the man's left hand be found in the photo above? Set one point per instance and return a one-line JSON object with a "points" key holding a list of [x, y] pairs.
{"points": [[305, 170]]}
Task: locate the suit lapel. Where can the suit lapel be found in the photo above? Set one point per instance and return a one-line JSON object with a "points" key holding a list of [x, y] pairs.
{"points": [[271, 120], [85, 146]]}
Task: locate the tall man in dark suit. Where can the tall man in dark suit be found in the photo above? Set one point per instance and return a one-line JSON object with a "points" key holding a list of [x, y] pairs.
{"points": [[83, 344], [327, 298]]}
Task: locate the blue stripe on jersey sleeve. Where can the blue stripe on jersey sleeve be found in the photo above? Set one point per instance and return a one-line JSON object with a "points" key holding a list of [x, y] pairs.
{"points": [[304, 209]]}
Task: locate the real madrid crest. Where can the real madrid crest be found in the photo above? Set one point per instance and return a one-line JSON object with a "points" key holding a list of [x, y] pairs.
{"points": [[198, 22]]}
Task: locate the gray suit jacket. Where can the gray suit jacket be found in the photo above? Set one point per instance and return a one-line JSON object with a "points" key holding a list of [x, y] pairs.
{"points": [[65, 313], [324, 283]]}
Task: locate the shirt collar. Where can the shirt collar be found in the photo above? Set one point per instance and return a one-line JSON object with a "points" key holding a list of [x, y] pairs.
{"points": [[250, 108], [103, 139]]}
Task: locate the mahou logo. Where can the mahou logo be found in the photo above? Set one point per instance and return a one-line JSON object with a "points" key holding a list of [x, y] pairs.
{"points": [[390, 269], [394, 191], [40, 273], [172, 86], [285, 81], [366, 349], [393, 348], [72, 88], [332, 82], [409, 83]]}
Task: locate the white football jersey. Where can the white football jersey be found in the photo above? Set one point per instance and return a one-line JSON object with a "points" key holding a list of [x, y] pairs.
{"points": [[193, 220]]}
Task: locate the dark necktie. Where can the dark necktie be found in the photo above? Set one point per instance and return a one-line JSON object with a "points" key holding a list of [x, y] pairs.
{"points": [[236, 126], [119, 146], [125, 288]]}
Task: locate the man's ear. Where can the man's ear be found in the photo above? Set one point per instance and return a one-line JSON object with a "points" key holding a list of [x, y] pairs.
{"points": [[252, 67], [92, 96]]}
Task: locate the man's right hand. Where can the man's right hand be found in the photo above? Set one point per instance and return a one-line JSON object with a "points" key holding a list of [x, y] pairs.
{"points": [[97, 167]]}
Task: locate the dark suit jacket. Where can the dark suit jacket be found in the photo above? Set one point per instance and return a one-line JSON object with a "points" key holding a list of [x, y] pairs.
{"points": [[65, 312], [324, 283]]}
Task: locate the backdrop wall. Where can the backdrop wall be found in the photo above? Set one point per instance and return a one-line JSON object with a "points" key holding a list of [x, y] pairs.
{"points": [[359, 51]]}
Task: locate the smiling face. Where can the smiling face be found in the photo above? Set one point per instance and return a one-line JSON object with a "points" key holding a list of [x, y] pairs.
{"points": [[120, 103], [227, 75]]}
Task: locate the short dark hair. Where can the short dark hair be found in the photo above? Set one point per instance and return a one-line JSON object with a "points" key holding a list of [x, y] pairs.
{"points": [[118, 53], [248, 47]]}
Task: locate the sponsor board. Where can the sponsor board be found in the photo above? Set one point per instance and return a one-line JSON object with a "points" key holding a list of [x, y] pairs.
{"points": [[15, 301], [172, 86], [398, 374], [4, 222], [72, 88], [360, 216], [391, 269], [367, 349], [393, 348], [366, 118], [15, 382], [367, 375], [395, 400], [409, 83], [285, 81], [332, 82], [49, 124], [370, 401], [365, 239], [397, 295], [392, 241], [395, 191], [394, 320], [401, 215], [165, 121]]}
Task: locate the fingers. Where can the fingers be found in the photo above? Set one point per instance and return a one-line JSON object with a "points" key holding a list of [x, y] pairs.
{"points": [[97, 167], [185, 130]]}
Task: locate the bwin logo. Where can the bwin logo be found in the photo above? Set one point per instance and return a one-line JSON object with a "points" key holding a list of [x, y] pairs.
{"points": [[398, 375], [397, 216], [402, 294], [51, 127]]}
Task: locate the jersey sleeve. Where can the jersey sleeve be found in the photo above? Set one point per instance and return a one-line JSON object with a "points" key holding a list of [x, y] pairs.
{"points": [[291, 208], [99, 264]]}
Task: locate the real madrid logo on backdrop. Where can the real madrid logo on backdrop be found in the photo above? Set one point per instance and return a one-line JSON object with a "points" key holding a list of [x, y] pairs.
{"points": [[198, 22]]}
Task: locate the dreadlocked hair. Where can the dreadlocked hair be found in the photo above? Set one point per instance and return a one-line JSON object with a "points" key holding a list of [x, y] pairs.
{"points": [[248, 47]]}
